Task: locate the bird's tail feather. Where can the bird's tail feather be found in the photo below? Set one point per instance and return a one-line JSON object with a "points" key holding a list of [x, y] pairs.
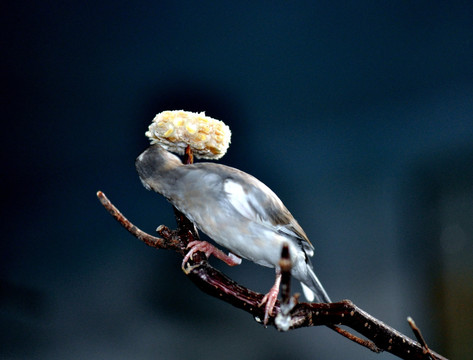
{"points": [[313, 289]]}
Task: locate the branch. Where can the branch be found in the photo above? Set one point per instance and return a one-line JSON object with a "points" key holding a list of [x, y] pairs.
{"points": [[420, 339], [215, 283]]}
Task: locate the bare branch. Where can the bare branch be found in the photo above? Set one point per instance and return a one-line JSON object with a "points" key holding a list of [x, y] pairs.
{"points": [[213, 282], [420, 338], [160, 243]]}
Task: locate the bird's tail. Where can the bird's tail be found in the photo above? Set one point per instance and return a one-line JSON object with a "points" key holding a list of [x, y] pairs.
{"points": [[313, 289]]}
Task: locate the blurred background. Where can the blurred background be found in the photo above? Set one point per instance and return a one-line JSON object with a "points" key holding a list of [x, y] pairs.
{"points": [[359, 115]]}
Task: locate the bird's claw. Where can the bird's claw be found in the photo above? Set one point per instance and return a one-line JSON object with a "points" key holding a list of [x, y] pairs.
{"points": [[270, 299], [208, 249]]}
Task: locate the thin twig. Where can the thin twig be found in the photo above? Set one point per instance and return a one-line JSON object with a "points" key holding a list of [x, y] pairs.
{"points": [[363, 342], [160, 243], [420, 338]]}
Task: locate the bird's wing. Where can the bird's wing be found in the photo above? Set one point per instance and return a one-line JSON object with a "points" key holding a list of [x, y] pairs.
{"points": [[255, 201]]}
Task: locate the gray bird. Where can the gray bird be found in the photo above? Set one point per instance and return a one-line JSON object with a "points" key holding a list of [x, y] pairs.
{"points": [[237, 211]]}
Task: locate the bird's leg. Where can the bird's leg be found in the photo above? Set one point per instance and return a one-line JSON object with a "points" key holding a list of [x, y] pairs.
{"points": [[270, 298], [209, 249]]}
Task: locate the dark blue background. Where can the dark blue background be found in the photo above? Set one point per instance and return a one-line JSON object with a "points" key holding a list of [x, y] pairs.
{"points": [[359, 115]]}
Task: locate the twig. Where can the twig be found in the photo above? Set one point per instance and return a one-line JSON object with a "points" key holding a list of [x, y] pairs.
{"points": [[420, 338], [215, 283], [160, 243], [285, 265]]}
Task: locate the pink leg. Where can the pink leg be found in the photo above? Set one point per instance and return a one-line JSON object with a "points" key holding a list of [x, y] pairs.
{"points": [[209, 249], [270, 299]]}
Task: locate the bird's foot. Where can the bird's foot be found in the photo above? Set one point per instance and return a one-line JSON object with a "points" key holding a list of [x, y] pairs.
{"points": [[270, 299], [208, 249]]}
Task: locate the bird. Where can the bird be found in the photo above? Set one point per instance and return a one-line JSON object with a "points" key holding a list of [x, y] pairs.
{"points": [[238, 212]]}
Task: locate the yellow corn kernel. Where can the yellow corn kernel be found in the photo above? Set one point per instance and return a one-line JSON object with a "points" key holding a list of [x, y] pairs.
{"points": [[191, 128], [169, 132]]}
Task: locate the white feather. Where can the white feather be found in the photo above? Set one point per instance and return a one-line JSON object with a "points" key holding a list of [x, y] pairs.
{"points": [[308, 293], [246, 204], [238, 198]]}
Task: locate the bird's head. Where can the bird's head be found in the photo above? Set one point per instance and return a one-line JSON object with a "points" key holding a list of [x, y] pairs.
{"points": [[153, 164]]}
